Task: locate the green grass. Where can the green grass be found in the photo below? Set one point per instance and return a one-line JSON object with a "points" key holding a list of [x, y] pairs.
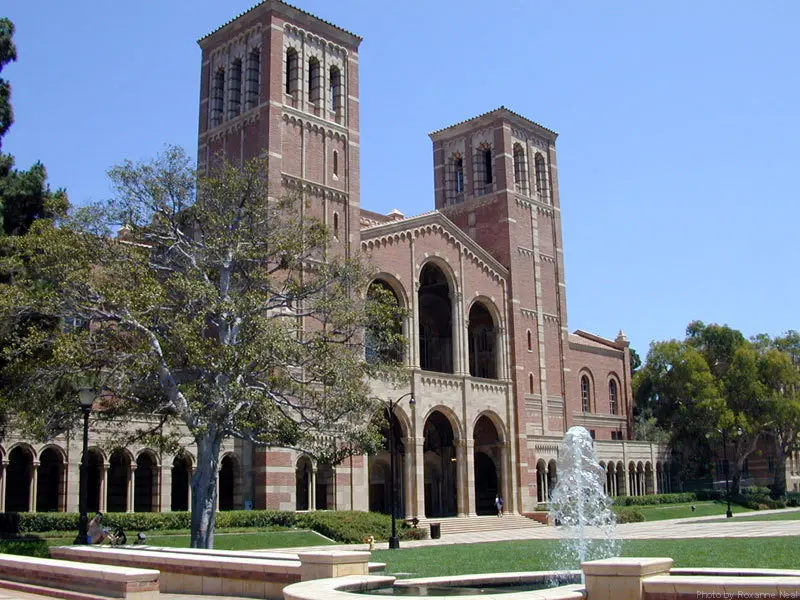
{"points": [[227, 541], [679, 511], [788, 515], [534, 555]]}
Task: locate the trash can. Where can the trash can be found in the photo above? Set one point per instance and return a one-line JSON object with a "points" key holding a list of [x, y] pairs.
{"points": [[436, 531]]}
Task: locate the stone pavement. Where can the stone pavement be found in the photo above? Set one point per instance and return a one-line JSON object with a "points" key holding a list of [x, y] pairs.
{"points": [[699, 527]]}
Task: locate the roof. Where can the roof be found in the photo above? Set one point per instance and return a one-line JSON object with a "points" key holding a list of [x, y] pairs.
{"points": [[501, 111], [590, 339], [280, 3]]}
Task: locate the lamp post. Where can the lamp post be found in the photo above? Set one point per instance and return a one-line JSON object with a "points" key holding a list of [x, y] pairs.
{"points": [[394, 541], [87, 397], [725, 470]]}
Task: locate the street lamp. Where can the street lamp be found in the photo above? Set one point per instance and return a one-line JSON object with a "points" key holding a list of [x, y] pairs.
{"points": [[394, 541], [725, 470], [86, 396]]}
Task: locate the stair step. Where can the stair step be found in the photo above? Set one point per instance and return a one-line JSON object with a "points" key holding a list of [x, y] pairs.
{"points": [[451, 525]]}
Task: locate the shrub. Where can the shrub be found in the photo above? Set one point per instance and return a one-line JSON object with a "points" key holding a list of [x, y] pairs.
{"points": [[256, 518], [651, 499], [9, 524], [352, 527], [630, 515], [32, 546], [793, 499]]}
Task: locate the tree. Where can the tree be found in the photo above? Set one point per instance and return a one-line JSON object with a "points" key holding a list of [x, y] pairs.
{"points": [[219, 309], [24, 195]]}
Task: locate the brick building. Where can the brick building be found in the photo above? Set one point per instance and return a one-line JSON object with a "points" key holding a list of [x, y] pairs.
{"points": [[497, 378]]}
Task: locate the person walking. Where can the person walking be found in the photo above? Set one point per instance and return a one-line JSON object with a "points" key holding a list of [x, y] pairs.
{"points": [[498, 503]]}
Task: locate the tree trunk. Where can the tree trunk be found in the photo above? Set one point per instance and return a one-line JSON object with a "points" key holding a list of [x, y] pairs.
{"points": [[779, 482], [204, 490]]}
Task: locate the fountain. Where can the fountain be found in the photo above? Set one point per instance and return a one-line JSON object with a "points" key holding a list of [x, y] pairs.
{"points": [[580, 505]]}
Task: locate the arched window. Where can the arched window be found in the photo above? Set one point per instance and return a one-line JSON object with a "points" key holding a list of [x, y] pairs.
{"points": [[520, 170], [336, 225], [435, 321], [335, 163], [585, 394], [481, 334], [483, 169], [314, 80], [291, 71], [454, 175], [530, 383], [612, 397], [235, 89], [216, 105], [541, 177], [252, 79], [336, 90], [530, 341], [458, 169], [384, 341]]}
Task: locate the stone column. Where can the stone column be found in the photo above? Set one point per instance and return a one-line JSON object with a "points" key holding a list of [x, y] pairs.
{"points": [[3, 471], [189, 499], [408, 477], [460, 348], [505, 479], [312, 490], [131, 487], [103, 500], [164, 488], [469, 477], [34, 485], [419, 478]]}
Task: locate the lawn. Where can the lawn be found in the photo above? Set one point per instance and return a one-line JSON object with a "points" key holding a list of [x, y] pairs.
{"points": [[680, 511], [787, 515], [228, 541], [534, 555]]}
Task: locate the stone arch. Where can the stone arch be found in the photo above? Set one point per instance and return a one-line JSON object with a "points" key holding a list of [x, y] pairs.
{"points": [[181, 482], [602, 464], [436, 297], [520, 169], [649, 482], [325, 491], [119, 480], [440, 469], [542, 494], [483, 335], [552, 477], [19, 477], [380, 477], [229, 484], [489, 459], [145, 482], [50, 490], [96, 481], [632, 479], [375, 350], [303, 473], [615, 403], [620, 479]]}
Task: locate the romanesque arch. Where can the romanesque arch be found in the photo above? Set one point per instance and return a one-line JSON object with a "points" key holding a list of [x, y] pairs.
{"points": [[19, 473], [441, 479], [489, 456], [303, 483], [50, 489], [552, 477], [380, 477], [181, 482], [229, 481], [435, 320], [376, 347], [95, 496], [145, 488], [324, 494], [483, 343], [119, 480]]}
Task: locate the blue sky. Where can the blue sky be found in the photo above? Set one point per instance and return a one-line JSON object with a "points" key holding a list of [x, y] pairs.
{"points": [[678, 126]]}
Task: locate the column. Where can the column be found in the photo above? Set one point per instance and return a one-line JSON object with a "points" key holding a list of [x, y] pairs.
{"points": [[104, 489], [469, 477], [34, 484], [130, 488], [3, 470], [419, 478], [460, 348], [408, 478], [546, 482], [189, 499], [312, 490], [164, 487], [505, 480]]}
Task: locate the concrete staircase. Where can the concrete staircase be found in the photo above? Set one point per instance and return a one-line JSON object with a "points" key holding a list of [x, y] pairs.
{"points": [[451, 525]]}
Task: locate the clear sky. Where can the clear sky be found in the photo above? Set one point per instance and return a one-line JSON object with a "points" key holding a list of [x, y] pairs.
{"points": [[679, 125]]}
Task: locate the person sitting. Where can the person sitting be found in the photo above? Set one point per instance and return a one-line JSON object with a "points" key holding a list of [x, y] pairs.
{"points": [[97, 534]]}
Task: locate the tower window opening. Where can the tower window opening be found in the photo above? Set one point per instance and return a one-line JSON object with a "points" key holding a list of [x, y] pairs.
{"points": [[520, 170], [585, 397], [217, 98], [335, 163], [454, 175], [541, 177], [336, 226], [483, 169], [459, 173], [530, 341], [530, 383], [314, 83], [291, 70], [235, 89], [487, 166], [612, 397], [336, 90], [252, 79]]}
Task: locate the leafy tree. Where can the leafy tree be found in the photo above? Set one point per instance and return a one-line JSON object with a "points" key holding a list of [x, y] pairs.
{"points": [[24, 195], [217, 309]]}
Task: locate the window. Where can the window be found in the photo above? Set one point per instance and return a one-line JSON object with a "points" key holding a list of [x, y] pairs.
{"points": [[530, 341], [458, 167], [335, 163], [612, 397], [336, 90], [613, 435], [235, 89], [487, 166], [314, 83], [541, 177], [217, 98], [530, 383], [592, 433], [520, 170], [585, 398], [336, 225], [483, 169], [291, 71], [454, 179], [251, 79]]}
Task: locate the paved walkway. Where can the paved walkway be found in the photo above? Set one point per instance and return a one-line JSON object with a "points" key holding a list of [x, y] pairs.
{"points": [[700, 527]]}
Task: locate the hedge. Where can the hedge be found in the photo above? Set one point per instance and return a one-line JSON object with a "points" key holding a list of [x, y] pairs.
{"points": [[32, 546], [651, 499], [630, 515], [353, 527]]}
